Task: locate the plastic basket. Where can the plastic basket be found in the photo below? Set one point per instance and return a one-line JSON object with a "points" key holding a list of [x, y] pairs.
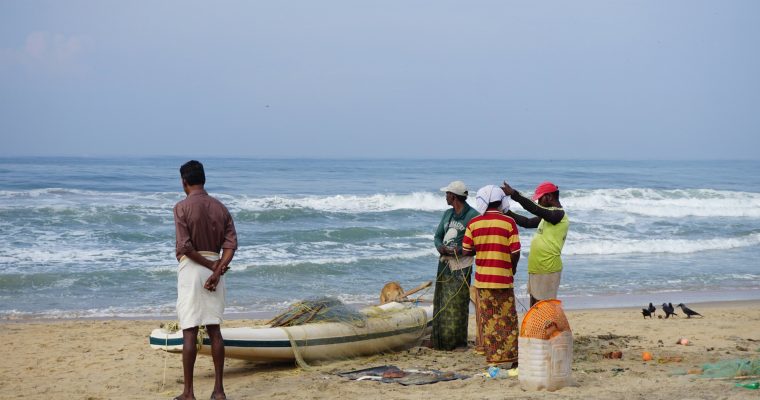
{"points": [[544, 320]]}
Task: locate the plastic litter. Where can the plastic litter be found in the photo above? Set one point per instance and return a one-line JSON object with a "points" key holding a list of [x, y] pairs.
{"points": [[753, 385], [499, 373]]}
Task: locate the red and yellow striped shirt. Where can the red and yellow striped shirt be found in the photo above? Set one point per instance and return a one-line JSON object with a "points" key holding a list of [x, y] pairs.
{"points": [[494, 238]]}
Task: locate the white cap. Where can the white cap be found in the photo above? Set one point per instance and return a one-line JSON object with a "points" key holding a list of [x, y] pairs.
{"points": [[489, 194], [456, 187]]}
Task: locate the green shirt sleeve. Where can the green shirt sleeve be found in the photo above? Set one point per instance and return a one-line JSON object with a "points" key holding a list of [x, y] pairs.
{"points": [[441, 231]]}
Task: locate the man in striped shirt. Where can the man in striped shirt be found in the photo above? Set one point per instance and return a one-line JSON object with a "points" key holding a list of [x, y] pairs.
{"points": [[494, 240]]}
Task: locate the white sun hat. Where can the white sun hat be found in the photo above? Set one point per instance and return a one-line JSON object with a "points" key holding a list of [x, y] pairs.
{"points": [[456, 187], [489, 194]]}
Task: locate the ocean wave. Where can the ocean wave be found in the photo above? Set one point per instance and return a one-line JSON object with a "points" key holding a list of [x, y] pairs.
{"points": [[73, 194], [636, 201], [652, 202], [330, 253], [659, 245], [345, 203], [665, 203], [158, 257], [167, 310], [19, 260]]}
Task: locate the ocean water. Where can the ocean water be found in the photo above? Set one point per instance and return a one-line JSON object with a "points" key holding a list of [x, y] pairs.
{"points": [[94, 237]]}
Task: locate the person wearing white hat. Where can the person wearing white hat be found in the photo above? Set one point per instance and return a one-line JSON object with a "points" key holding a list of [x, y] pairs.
{"points": [[452, 295], [495, 242]]}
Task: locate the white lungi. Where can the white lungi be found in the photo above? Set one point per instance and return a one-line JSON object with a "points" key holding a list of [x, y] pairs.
{"points": [[544, 286], [196, 305]]}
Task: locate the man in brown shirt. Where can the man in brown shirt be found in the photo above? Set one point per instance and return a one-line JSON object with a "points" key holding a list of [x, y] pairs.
{"points": [[204, 228]]}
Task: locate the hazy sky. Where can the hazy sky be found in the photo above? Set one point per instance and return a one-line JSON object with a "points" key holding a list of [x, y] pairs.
{"points": [[434, 79]]}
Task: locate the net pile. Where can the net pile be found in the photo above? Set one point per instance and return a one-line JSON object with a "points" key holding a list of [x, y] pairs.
{"points": [[544, 320], [324, 309], [732, 369]]}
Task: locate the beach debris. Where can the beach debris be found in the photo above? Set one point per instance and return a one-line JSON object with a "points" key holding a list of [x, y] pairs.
{"points": [[683, 341], [671, 359], [753, 385], [501, 373], [646, 356], [393, 374], [695, 371], [613, 354], [617, 371], [669, 310], [688, 311]]}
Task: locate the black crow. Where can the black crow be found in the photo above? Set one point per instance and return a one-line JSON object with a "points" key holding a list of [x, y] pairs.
{"points": [[669, 310], [646, 313], [652, 309], [688, 311]]}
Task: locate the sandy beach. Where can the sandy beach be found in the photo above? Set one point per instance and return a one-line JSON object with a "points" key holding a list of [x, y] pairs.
{"points": [[111, 359]]}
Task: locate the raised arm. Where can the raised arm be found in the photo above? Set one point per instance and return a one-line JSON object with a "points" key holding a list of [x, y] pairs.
{"points": [[551, 215], [524, 221]]}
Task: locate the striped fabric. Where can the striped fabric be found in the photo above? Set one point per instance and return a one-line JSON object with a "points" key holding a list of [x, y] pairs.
{"points": [[494, 238]]}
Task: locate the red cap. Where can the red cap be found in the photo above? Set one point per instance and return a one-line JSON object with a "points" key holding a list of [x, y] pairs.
{"points": [[544, 188]]}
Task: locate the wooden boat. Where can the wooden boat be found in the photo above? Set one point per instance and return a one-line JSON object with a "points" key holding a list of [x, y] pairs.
{"points": [[391, 326]]}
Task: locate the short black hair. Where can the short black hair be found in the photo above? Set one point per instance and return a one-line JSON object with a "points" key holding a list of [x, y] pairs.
{"points": [[192, 173], [461, 198], [494, 204]]}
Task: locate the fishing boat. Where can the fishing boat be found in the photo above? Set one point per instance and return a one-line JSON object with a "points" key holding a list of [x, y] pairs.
{"points": [[391, 326]]}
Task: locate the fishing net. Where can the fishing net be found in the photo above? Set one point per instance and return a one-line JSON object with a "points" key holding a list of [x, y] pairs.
{"points": [[325, 328], [732, 369], [324, 309]]}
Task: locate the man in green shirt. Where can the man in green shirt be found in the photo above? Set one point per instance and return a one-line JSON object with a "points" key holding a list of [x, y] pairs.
{"points": [[544, 260], [451, 302]]}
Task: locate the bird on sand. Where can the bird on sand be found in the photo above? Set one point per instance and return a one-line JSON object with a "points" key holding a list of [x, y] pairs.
{"points": [[652, 309], [646, 313], [688, 311], [668, 309]]}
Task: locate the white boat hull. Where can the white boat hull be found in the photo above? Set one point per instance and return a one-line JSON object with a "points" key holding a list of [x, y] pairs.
{"points": [[398, 326]]}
